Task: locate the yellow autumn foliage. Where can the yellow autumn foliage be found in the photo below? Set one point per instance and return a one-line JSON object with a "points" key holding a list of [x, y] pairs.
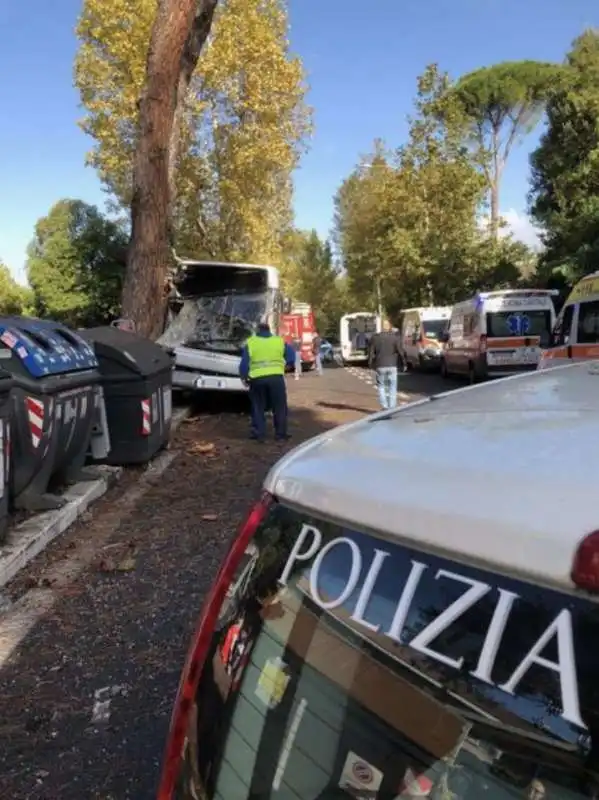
{"points": [[245, 123]]}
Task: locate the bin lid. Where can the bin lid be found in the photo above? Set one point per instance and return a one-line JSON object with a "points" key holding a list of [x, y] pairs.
{"points": [[45, 347], [136, 353]]}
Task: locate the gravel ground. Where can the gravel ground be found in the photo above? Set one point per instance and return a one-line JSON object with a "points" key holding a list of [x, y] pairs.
{"points": [[123, 589]]}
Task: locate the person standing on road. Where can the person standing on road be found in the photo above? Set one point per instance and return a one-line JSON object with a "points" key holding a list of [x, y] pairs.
{"points": [[296, 344], [262, 369], [316, 348], [384, 353]]}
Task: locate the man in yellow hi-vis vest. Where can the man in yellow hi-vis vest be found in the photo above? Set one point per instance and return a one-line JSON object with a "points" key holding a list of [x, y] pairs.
{"points": [[263, 362]]}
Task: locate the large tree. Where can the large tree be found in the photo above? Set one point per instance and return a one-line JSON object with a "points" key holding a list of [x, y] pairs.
{"points": [[178, 34], [565, 169], [76, 265], [243, 126], [310, 276], [408, 222], [14, 299], [503, 103]]}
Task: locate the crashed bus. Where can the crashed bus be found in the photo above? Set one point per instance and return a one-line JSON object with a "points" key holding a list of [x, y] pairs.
{"points": [[213, 308]]}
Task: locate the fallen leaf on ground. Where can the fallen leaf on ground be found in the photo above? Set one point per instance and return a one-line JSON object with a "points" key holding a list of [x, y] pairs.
{"points": [[210, 517], [202, 448], [126, 565]]}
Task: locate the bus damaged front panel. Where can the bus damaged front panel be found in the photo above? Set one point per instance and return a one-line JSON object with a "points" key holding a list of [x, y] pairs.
{"points": [[213, 309]]}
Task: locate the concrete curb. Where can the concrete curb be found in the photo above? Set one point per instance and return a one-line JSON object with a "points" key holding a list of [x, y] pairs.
{"points": [[28, 539]]}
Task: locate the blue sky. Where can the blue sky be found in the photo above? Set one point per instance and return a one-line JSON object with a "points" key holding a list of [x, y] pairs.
{"points": [[362, 60]]}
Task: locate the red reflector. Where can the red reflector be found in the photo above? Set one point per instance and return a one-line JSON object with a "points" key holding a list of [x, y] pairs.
{"points": [[200, 645], [585, 569]]}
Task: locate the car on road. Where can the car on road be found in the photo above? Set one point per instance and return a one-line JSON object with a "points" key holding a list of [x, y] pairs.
{"points": [[410, 609]]}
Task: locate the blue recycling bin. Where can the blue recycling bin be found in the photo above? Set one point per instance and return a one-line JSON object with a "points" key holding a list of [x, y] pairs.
{"points": [[54, 396], [6, 384]]}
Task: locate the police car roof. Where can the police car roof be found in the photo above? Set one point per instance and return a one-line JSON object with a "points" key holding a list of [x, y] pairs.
{"points": [[501, 473]]}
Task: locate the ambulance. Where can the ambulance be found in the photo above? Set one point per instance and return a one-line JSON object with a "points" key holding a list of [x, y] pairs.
{"points": [[575, 336], [498, 333], [421, 332], [410, 609]]}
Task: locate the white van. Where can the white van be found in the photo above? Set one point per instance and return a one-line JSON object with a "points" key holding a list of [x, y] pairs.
{"points": [[498, 333], [575, 335], [421, 333], [410, 609], [355, 332]]}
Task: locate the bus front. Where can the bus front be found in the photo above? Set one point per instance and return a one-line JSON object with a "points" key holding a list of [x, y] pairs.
{"points": [[215, 307]]}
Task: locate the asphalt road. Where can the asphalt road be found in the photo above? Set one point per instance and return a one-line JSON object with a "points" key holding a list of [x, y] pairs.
{"points": [[90, 650]]}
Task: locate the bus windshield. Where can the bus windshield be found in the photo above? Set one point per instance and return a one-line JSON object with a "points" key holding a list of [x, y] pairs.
{"points": [[345, 665], [217, 307]]}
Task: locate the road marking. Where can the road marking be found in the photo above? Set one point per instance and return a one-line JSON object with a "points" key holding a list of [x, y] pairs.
{"points": [[102, 699]]}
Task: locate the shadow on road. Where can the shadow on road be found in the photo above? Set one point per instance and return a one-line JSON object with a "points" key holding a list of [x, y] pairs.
{"points": [[426, 383], [345, 407]]}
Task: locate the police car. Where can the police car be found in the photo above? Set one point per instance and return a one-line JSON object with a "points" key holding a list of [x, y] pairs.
{"points": [[410, 610]]}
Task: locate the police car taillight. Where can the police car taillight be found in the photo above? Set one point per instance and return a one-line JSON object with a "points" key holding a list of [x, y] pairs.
{"points": [[200, 645], [585, 569]]}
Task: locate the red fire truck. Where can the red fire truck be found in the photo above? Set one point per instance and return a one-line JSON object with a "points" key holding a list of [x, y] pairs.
{"points": [[300, 324]]}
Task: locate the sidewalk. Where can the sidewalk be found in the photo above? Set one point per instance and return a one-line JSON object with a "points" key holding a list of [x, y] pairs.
{"points": [[104, 616]]}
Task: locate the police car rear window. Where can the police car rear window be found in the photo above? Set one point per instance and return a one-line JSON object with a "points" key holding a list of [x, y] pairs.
{"points": [[355, 666]]}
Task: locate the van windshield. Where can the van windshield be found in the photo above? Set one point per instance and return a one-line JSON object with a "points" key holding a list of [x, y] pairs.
{"points": [[433, 328], [345, 665], [525, 322]]}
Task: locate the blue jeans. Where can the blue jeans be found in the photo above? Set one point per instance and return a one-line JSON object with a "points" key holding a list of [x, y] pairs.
{"points": [[386, 384], [318, 360], [298, 363]]}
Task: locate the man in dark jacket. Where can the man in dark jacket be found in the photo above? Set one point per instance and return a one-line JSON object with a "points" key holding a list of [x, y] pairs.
{"points": [[384, 355]]}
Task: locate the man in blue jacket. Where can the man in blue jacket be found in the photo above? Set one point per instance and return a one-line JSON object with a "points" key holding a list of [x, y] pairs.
{"points": [[262, 368]]}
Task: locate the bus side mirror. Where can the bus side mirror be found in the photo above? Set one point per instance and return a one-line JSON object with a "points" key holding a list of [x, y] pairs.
{"points": [[286, 305], [444, 337], [415, 338]]}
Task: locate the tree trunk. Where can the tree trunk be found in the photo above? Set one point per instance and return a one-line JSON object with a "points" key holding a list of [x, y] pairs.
{"points": [[494, 188], [177, 33]]}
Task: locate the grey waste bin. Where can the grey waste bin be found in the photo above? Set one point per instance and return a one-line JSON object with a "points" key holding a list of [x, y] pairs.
{"points": [[137, 384]]}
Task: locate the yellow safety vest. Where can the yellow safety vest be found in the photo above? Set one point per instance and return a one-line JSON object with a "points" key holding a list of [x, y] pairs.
{"points": [[267, 356]]}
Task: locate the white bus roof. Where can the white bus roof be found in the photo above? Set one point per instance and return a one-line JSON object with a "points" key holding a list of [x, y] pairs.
{"points": [[508, 292], [429, 312], [360, 314], [496, 473], [190, 262]]}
